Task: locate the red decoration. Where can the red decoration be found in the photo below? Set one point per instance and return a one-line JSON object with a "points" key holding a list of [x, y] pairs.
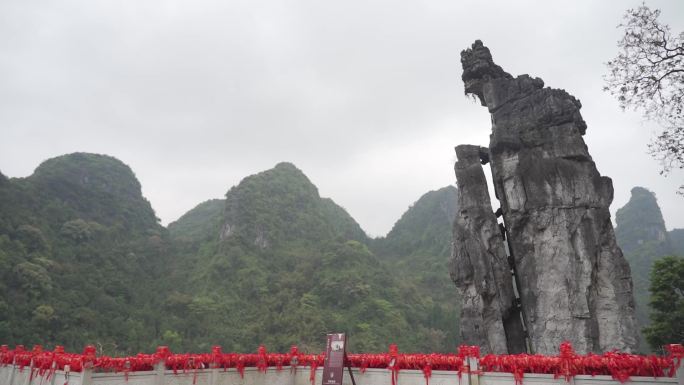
{"points": [[567, 364], [469, 351], [393, 363]]}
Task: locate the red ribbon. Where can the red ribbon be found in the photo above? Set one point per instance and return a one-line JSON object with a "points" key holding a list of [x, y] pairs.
{"points": [[427, 373], [566, 364], [393, 363], [262, 363]]}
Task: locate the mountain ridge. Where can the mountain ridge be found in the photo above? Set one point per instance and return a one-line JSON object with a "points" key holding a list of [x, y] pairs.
{"points": [[77, 243], [277, 235], [83, 259]]}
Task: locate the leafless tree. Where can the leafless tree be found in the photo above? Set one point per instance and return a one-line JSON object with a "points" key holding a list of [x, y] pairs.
{"points": [[648, 75]]}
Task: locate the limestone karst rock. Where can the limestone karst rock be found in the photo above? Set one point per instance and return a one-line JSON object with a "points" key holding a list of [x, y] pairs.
{"points": [[573, 280], [489, 315]]}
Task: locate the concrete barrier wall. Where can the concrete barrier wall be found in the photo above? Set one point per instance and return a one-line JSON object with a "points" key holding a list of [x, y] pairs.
{"points": [[489, 378], [13, 375], [10, 375]]}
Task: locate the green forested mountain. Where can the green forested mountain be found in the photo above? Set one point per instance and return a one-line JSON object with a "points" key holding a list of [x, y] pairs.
{"points": [[424, 229], [80, 252], [281, 206], [643, 238], [84, 261], [285, 266], [92, 187], [418, 249]]}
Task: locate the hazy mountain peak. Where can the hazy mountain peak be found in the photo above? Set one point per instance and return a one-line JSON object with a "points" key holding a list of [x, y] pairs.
{"points": [[282, 205], [96, 187], [286, 166], [640, 221], [84, 167]]}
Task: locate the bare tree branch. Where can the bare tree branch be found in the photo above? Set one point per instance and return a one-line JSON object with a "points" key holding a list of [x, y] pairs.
{"points": [[648, 75]]}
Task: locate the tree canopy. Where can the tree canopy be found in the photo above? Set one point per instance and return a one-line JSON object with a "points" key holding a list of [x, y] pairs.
{"points": [[667, 301]]}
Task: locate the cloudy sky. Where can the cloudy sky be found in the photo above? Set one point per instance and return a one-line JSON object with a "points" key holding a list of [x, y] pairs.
{"points": [[364, 96]]}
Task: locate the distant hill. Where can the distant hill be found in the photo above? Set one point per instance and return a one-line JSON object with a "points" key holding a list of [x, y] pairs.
{"points": [[286, 266], [640, 222], [80, 252], [425, 228], [281, 205], [95, 187], [643, 238]]}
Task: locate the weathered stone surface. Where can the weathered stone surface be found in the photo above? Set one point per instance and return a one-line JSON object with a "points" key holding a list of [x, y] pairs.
{"points": [[574, 282], [480, 266]]}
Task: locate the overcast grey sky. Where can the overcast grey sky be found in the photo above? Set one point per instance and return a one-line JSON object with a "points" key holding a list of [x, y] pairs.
{"points": [[365, 97]]}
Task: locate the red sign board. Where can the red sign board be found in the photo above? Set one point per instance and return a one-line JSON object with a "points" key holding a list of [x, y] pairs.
{"points": [[333, 367]]}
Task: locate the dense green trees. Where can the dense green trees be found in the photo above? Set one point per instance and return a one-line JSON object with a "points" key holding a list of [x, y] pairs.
{"points": [[667, 301], [297, 266], [79, 250], [418, 249], [84, 261]]}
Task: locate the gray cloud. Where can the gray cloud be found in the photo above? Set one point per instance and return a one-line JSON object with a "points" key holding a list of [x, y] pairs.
{"points": [[365, 97]]}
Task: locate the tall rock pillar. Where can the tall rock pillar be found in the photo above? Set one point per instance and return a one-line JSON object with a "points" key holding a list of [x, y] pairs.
{"points": [[574, 282], [480, 268]]}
